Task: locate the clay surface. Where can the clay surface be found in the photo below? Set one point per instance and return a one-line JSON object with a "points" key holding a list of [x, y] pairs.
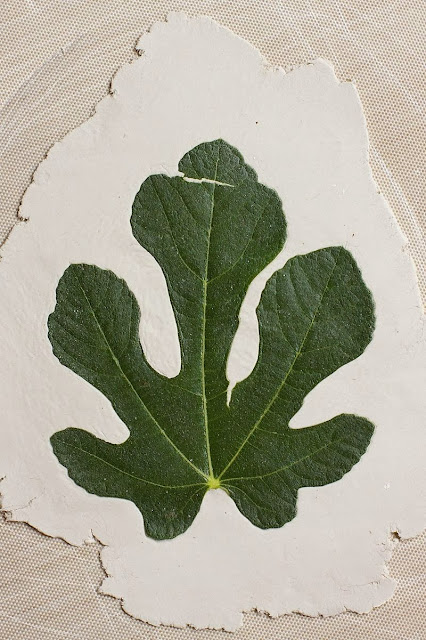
{"points": [[305, 135]]}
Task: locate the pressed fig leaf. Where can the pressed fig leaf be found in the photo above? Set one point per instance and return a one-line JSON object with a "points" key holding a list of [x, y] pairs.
{"points": [[212, 229]]}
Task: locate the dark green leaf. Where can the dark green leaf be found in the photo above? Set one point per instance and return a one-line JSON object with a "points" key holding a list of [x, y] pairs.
{"points": [[212, 232]]}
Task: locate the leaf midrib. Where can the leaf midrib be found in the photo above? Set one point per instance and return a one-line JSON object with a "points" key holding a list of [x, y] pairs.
{"points": [[203, 329]]}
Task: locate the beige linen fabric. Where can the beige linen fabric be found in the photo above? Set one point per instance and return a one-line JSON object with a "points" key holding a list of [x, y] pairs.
{"points": [[56, 60]]}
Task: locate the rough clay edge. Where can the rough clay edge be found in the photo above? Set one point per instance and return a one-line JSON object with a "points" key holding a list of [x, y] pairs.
{"points": [[394, 536]]}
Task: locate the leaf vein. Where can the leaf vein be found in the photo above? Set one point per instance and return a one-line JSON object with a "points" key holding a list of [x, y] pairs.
{"points": [[280, 387], [163, 433]]}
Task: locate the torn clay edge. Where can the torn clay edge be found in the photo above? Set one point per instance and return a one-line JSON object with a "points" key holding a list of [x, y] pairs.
{"points": [[394, 535]]}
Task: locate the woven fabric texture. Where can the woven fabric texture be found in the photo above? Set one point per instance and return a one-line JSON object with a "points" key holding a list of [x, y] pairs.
{"points": [[56, 60]]}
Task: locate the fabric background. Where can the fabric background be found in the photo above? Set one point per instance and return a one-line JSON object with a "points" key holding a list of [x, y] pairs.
{"points": [[56, 60]]}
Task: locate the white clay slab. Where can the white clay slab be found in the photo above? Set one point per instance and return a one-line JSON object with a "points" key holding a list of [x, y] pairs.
{"points": [[305, 135]]}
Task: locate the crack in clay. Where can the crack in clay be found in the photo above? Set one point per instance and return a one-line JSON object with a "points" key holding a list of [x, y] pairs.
{"points": [[9, 511]]}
